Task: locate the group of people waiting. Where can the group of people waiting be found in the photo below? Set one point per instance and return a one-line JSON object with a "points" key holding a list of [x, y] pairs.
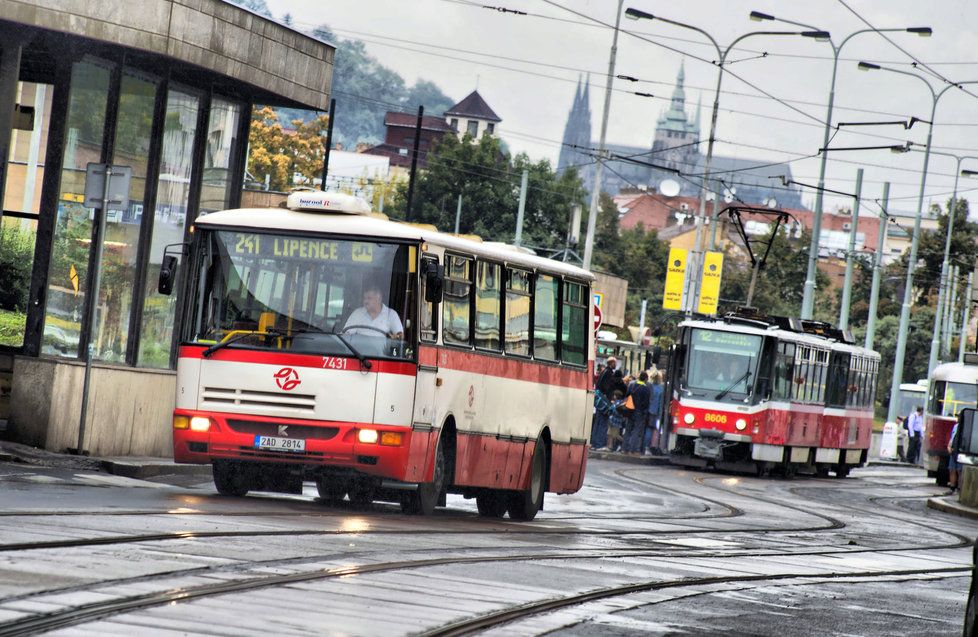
{"points": [[626, 410]]}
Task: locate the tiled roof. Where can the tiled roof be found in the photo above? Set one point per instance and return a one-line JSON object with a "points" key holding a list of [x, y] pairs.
{"points": [[409, 120], [474, 106]]}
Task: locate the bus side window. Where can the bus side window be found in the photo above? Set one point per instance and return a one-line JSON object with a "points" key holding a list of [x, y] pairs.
{"points": [[573, 341], [517, 327], [487, 305], [456, 310], [429, 311], [545, 314]]}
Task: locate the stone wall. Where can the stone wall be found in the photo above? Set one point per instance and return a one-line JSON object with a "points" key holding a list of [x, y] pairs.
{"points": [[129, 409], [212, 34]]}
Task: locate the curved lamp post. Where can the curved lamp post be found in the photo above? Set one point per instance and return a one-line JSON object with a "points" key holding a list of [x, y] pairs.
{"points": [[808, 298]]}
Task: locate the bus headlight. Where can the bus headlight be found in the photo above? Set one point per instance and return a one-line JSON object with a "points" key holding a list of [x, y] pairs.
{"points": [[200, 423], [689, 418], [741, 424], [367, 436]]}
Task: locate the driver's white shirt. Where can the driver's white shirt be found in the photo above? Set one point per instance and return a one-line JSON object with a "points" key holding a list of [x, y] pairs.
{"points": [[386, 321]]}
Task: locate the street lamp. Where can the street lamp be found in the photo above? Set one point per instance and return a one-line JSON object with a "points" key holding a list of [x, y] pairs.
{"points": [[901, 349], [808, 298], [637, 14], [943, 283]]}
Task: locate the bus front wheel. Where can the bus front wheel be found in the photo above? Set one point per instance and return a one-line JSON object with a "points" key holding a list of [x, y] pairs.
{"points": [[424, 500], [231, 478], [491, 504], [523, 505]]}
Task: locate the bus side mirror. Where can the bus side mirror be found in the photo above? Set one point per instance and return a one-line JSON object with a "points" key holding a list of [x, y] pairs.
{"points": [[434, 282], [168, 274]]}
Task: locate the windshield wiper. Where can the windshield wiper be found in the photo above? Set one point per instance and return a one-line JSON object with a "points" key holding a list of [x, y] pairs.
{"points": [[726, 391], [234, 339], [366, 364]]}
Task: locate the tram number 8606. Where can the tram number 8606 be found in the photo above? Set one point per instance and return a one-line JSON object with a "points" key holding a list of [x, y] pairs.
{"points": [[717, 418]]}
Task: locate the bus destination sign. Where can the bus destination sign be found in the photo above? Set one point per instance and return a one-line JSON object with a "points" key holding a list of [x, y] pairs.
{"points": [[258, 245]]}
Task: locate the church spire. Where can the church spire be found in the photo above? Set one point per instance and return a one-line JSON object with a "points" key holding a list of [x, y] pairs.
{"points": [[679, 93], [699, 107]]}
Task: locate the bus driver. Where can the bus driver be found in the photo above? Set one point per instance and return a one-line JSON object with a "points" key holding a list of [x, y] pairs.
{"points": [[374, 314]]}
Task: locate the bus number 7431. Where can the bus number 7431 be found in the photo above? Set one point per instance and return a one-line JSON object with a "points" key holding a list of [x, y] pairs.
{"points": [[334, 362]]}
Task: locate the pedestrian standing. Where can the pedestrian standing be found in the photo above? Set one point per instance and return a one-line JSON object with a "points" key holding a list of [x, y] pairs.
{"points": [[915, 427], [953, 466], [603, 391], [641, 395], [655, 408]]}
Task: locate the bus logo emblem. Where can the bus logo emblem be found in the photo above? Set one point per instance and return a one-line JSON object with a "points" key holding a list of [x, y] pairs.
{"points": [[287, 379]]}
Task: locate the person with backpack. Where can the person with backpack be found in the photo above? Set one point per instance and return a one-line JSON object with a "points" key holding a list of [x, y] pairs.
{"points": [[639, 396]]}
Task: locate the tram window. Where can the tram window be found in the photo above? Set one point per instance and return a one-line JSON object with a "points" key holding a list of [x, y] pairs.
{"points": [[821, 375], [429, 320], [488, 306], [838, 380], [517, 312], [456, 305], [573, 341], [800, 380], [545, 317], [784, 370]]}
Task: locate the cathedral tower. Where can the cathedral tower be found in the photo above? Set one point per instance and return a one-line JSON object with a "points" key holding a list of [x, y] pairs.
{"points": [[675, 139], [577, 131]]}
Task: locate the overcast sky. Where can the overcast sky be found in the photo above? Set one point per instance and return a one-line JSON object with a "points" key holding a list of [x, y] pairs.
{"points": [[527, 67]]}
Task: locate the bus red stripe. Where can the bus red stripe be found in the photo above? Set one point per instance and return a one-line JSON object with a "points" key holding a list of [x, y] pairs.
{"points": [[506, 367]]}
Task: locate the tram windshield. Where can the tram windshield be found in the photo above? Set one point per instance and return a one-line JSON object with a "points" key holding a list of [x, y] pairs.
{"points": [[313, 295], [949, 398], [909, 400], [722, 365]]}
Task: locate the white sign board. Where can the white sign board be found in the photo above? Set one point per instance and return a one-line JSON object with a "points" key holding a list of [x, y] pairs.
{"points": [[888, 441]]}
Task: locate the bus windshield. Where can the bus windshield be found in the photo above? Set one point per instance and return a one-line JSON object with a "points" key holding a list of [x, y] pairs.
{"points": [[949, 398], [722, 364], [909, 400], [313, 295]]}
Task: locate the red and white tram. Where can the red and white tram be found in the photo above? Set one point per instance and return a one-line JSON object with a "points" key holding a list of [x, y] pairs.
{"points": [[952, 387], [284, 375], [763, 393]]}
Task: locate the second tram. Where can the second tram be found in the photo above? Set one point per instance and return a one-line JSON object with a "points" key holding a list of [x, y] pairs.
{"points": [[768, 393], [953, 387]]}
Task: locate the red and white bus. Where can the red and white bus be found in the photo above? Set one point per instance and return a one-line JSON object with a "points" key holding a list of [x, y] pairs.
{"points": [[760, 393], [472, 374], [952, 387]]}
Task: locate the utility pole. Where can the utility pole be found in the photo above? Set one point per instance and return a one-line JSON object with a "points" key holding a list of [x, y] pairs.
{"points": [[850, 254], [592, 215], [409, 209], [963, 342], [458, 212], [874, 296], [329, 141], [949, 320], [519, 214]]}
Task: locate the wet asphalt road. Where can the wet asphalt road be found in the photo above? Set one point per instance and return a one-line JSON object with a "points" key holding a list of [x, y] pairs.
{"points": [[656, 550]]}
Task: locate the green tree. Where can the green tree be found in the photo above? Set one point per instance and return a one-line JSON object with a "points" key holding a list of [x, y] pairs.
{"points": [[489, 182], [964, 248], [917, 352], [282, 154]]}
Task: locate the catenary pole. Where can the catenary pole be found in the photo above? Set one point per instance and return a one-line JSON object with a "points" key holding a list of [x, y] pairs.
{"points": [[963, 341], [935, 341], [949, 319], [519, 215], [850, 254], [874, 296], [592, 214]]}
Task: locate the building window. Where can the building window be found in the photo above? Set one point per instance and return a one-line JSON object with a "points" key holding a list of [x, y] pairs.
{"points": [[133, 132], [169, 222], [454, 123], [518, 312], [545, 313], [473, 128], [222, 145], [487, 306], [491, 128], [68, 272]]}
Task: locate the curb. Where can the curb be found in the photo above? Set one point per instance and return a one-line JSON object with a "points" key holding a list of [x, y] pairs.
{"points": [[138, 470], [945, 504]]}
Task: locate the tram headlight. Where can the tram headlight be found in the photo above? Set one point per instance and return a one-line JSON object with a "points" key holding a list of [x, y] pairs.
{"points": [[200, 423], [741, 424], [689, 418], [367, 436]]}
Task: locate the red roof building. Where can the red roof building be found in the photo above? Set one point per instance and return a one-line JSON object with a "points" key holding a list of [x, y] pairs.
{"points": [[399, 139]]}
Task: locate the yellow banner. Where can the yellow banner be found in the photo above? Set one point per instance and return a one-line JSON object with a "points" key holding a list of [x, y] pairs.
{"points": [[672, 296], [710, 285]]}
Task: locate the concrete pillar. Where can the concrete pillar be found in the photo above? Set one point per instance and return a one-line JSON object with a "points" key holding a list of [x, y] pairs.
{"points": [[969, 486]]}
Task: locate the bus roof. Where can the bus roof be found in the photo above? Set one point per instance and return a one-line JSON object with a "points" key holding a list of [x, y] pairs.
{"points": [[956, 373], [377, 227], [913, 387]]}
